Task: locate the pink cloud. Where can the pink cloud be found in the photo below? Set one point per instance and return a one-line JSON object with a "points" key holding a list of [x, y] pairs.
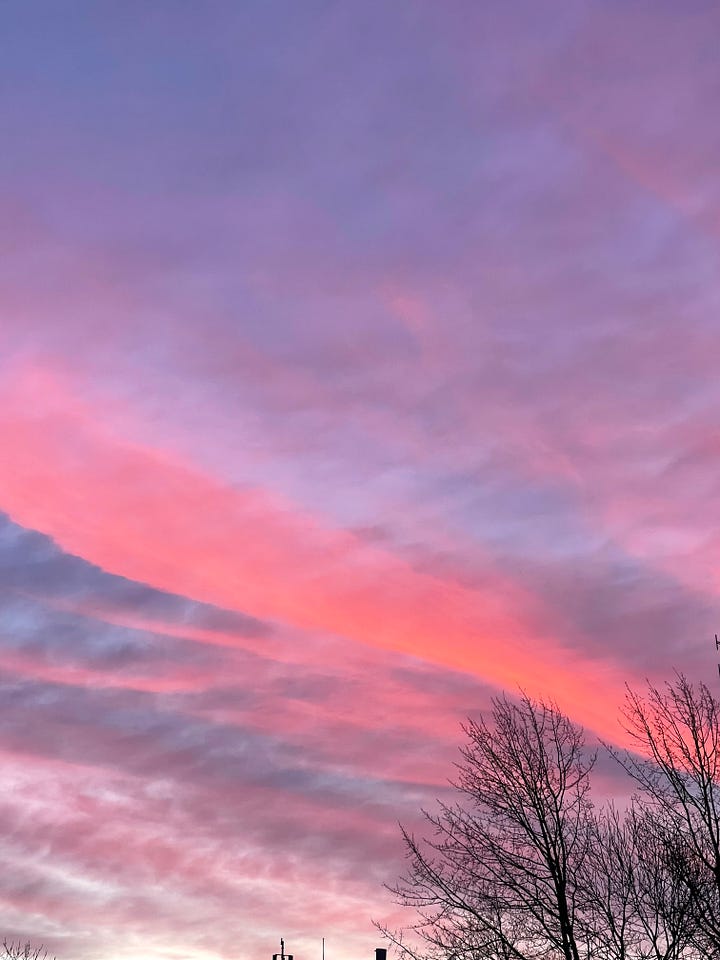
{"points": [[142, 514]]}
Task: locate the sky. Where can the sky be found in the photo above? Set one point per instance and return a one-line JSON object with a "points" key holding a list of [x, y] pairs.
{"points": [[358, 361]]}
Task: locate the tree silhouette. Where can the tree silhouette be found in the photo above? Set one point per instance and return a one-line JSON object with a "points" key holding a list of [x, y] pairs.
{"points": [[23, 951], [523, 867], [499, 876], [677, 730]]}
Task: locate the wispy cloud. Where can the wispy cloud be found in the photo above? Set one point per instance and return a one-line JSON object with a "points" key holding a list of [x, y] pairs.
{"points": [[355, 362]]}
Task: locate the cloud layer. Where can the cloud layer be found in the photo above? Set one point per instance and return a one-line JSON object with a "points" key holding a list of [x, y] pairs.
{"points": [[356, 361]]}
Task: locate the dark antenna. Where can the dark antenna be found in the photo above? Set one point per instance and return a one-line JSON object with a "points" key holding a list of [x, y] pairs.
{"points": [[717, 647], [282, 955]]}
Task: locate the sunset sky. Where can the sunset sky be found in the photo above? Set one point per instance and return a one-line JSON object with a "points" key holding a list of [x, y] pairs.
{"points": [[359, 359]]}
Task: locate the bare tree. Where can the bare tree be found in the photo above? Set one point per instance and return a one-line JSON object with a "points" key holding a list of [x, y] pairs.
{"points": [[523, 868], [23, 951], [677, 731], [608, 878], [498, 877], [638, 903]]}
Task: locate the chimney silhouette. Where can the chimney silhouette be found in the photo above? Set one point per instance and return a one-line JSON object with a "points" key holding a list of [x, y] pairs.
{"points": [[380, 953]]}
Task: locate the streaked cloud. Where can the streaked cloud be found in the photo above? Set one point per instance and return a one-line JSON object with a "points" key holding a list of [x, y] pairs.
{"points": [[356, 361]]}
